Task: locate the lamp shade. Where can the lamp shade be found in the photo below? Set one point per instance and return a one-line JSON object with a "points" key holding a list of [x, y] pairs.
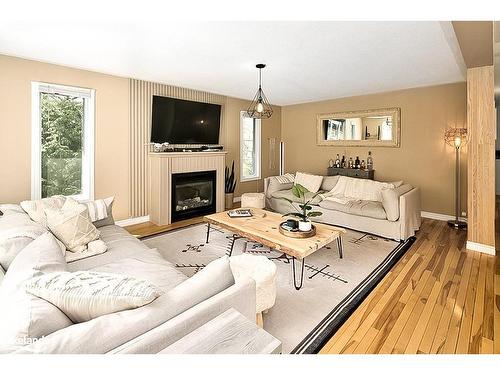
{"points": [[455, 137]]}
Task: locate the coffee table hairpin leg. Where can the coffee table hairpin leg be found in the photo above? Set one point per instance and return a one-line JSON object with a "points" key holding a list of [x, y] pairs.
{"points": [[297, 287], [340, 246]]}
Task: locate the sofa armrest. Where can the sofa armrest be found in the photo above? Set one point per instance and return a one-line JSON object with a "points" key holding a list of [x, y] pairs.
{"points": [[240, 296], [409, 213]]}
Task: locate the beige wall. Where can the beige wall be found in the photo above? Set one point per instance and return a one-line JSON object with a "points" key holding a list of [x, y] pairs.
{"points": [[270, 128], [111, 134], [423, 160]]}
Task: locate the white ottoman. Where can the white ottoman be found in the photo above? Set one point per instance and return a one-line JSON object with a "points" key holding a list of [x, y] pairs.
{"points": [[253, 200], [263, 271]]}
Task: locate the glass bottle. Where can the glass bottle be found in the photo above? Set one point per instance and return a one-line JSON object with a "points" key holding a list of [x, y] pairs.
{"points": [[330, 163], [342, 162], [356, 162], [351, 164], [369, 161], [337, 161], [362, 166]]}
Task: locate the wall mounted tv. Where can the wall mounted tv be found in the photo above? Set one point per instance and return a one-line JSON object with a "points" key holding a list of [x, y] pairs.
{"points": [[178, 121]]}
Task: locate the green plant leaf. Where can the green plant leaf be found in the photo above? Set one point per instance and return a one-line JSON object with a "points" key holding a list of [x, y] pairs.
{"points": [[314, 214], [305, 206]]}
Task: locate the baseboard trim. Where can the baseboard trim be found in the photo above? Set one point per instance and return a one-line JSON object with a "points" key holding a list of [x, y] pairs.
{"points": [[441, 217], [474, 246], [132, 221]]}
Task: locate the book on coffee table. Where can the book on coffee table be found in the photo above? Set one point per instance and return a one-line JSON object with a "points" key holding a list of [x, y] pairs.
{"points": [[240, 213]]}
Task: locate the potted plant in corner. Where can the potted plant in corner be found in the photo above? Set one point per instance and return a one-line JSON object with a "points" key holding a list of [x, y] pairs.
{"points": [[304, 210], [230, 185]]}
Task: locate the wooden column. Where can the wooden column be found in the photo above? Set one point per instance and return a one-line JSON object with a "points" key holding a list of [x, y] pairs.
{"points": [[481, 127]]}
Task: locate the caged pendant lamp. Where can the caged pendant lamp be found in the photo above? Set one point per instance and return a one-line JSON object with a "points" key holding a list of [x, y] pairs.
{"points": [[260, 107]]}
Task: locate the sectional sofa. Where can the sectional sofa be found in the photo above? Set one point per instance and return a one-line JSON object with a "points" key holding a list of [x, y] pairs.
{"points": [[187, 303]]}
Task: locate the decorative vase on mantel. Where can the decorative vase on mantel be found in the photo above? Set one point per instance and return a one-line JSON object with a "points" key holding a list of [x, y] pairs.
{"points": [[229, 201]]}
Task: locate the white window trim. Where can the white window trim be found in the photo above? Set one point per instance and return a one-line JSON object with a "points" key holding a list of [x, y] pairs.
{"points": [[88, 137], [258, 155]]}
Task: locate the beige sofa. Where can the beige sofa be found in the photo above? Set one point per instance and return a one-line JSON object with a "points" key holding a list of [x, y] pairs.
{"points": [[396, 216], [186, 304]]}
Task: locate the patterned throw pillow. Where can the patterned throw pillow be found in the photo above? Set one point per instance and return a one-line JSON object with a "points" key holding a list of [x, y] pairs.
{"points": [[85, 295], [71, 225], [285, 178]]}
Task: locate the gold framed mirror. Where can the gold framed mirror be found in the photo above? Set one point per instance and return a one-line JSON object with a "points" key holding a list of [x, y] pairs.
{"points": [[368, 128]]}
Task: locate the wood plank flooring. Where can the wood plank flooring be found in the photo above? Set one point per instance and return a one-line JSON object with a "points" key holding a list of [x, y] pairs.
{"points": [[439, 298]]}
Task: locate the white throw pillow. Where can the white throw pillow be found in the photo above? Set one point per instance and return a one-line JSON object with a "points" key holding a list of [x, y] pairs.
{"points": [[71, 224], [85, 295], [36, 208], [310, 181], [25, 318]]}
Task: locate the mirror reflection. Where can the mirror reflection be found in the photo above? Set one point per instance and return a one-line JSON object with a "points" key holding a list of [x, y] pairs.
{"points": [[360, 128]]}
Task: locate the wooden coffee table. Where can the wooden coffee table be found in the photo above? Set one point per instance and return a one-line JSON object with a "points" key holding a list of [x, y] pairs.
{"points": [[263, 226]]}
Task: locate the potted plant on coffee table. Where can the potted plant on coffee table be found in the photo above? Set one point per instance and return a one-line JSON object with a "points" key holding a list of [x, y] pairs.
{"points": [[230, 185], [305, 210]]}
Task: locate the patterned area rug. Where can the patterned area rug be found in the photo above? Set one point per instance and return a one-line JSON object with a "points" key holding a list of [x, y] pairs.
{"points": [[302, 319]]}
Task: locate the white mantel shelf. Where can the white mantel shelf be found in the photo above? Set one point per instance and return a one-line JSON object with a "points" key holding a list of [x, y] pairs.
{"points": [[161, 167]]}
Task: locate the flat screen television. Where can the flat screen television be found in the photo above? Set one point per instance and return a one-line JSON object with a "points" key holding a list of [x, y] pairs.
{"points": [[178, 121]]}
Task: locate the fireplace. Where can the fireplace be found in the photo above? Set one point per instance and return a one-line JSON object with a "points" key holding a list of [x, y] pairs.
{"points": [[193, 194]]}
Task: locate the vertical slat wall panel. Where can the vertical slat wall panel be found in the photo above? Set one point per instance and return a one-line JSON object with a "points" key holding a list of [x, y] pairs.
{"points": [[141, 94]]}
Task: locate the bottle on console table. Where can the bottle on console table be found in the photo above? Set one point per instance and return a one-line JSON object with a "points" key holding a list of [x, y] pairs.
{"points": [[369, 161], [337, 161], [342, 162], [351, 163], [356, 162], [362, 166]]}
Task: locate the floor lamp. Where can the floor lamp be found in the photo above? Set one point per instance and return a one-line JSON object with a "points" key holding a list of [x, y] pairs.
{"points": [[456, 137]]}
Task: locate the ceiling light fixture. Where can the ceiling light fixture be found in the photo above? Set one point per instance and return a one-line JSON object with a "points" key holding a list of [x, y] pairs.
{"points": [[260, 107]]}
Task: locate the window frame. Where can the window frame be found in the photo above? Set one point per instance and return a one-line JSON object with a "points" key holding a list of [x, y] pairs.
{"points": [[257, 148], [88, 142]]}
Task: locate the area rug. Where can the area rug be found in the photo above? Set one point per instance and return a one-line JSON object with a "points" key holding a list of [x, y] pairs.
{"points": [[303, 320]]}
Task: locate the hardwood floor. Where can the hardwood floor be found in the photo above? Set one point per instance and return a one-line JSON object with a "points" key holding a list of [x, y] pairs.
{"points": [[148, 228], [439, 298]]}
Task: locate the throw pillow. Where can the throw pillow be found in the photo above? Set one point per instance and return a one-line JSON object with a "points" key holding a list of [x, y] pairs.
{"points": [[93, 248], [103, 220], [71, 224], [36, 208], [285, 178], [85, 295], [25, 318], [329, 182], [309, 181], [390, 200], [275, 185]]}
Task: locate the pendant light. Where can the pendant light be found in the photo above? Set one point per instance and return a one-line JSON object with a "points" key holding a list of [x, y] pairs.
{"points": [[260, 107]]}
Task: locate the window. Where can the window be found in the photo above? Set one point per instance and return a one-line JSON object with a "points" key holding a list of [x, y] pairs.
{"points": [[62, 141], [249, 148]]}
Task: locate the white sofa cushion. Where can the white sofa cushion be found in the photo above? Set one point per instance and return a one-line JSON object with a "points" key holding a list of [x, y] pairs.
{"points": [[17, 231], [310, 181], [390, 200], [357, 207], [71, 225], [85, 295], [25, 318]]}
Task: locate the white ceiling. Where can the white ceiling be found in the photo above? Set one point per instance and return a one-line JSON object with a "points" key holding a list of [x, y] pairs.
{"points": [[307, 61]]}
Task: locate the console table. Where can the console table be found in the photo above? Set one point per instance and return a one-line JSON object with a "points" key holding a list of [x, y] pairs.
{"points": [[351, 172]]}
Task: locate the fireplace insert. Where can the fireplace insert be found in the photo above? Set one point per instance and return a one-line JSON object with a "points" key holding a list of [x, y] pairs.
{"points": [[193, 194]]}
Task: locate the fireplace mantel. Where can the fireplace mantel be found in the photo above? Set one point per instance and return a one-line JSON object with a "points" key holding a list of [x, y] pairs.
{"points": [[161, 167]]}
